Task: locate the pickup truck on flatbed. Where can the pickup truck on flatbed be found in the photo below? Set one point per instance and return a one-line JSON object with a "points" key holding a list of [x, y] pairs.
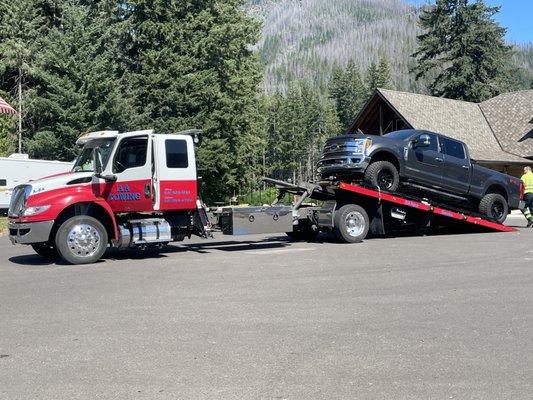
{"points": [[423, 161]]}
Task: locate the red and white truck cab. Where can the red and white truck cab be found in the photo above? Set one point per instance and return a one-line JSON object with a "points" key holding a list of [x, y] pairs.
{"points": [[128, 189]]}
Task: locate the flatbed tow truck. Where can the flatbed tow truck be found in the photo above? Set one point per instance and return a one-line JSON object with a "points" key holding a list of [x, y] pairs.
{"points": [[140, 189]]}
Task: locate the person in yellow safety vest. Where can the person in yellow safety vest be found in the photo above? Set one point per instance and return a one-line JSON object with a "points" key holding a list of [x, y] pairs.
{"points": [[527, 178]]}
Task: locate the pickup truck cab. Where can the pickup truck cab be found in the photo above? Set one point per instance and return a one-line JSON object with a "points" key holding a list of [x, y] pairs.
{"points": [[425, 161]]}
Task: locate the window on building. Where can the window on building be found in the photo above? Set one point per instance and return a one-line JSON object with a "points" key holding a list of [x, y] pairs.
{"points": [[177, 156]]}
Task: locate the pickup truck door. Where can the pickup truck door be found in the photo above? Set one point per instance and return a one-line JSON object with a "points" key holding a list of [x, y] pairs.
{"points": [[424, 160], [456, 172], [175, 179]]}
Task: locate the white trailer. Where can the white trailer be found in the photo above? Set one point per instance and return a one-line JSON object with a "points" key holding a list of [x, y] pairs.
{"points": [[19, 168]]}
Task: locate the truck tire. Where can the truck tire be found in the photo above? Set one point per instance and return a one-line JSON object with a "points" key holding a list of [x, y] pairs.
{"points": [[81, 240], [495, 207], [46, 250], [351, 223], [383, 175]]}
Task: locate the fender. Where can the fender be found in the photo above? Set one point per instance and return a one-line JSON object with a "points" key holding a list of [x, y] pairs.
{"points": [[384, 148], [60, 199], [496, 182]]}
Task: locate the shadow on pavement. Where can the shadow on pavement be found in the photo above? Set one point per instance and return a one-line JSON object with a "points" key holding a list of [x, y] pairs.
{"points": [[34, 260]]}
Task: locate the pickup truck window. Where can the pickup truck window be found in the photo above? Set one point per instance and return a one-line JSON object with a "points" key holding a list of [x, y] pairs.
{"points": [[3, 182], [453, 148]]}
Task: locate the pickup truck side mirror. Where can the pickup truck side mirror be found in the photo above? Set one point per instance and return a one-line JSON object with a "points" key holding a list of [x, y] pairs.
{"points": [[422, 141]]}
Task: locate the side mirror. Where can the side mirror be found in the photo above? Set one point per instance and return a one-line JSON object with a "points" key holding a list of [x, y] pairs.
{"points": [[422, 141], [98, 168], [97, 161]]}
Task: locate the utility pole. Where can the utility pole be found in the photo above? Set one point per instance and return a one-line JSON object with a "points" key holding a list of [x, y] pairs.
{"points": [[20, 109]]}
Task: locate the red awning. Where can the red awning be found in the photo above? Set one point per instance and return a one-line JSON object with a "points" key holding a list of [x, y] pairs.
{"points": [[6, 108]]}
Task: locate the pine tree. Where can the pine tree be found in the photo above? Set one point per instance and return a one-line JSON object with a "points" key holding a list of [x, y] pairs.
{"points": [[462, 52], [384, 76], [297, 126], [349, 93], [21, 26], [379, 75], [190, 64], [79, 89]]}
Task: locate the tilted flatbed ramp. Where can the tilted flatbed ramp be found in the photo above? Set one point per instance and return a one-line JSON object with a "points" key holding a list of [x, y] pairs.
{"points": [[424, 206]]}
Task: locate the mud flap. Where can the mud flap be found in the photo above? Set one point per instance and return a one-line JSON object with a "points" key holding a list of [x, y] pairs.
{"points": [[201, 220]]}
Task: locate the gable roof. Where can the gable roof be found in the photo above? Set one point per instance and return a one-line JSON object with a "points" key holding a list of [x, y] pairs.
{"points": [[454, 118], [510, 116]]}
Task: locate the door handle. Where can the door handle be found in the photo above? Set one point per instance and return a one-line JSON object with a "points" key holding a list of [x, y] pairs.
{"points": [[438, 159], [465, 167], [148, 190]]}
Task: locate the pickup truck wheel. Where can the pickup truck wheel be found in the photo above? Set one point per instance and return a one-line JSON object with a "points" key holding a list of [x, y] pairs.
{"points": [[351, 223], [495, 207], [81, 240], [384, 175], [46, 250]]}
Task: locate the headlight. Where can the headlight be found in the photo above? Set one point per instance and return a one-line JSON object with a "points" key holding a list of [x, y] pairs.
{"points": [[361, 145], [28, 212], [358, 146]]}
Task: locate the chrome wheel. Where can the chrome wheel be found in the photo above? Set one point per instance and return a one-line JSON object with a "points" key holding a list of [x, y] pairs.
{"points": [[355, 223], [83, 240]]}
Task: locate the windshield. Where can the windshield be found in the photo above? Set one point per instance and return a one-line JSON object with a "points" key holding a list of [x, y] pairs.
{"points": [[402, 135], [84, 163]]}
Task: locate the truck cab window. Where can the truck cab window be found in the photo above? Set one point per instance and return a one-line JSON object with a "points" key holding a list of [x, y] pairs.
{"points": [[177, 156], [131, 153], [3, 182], [453, 148]]}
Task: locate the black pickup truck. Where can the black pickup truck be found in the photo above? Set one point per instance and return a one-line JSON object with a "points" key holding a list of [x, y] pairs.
{"points": [[422, 161]]}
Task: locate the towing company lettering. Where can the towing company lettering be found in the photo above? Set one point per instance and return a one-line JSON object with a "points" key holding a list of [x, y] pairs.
{"points": [[124, 194]]}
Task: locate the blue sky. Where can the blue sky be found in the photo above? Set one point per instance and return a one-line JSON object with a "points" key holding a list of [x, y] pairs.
{"points": [[515, 15]]}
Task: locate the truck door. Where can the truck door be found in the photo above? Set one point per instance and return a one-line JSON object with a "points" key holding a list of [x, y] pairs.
{"points": [[175, 178], [456, 173], [131, 164], [424, 160]]}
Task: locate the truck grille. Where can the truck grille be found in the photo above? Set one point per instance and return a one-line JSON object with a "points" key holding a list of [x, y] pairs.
{"points": [[18, 200]]}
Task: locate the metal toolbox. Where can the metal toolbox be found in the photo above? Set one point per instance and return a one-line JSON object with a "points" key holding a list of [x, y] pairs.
{"points": [[252, 220]]}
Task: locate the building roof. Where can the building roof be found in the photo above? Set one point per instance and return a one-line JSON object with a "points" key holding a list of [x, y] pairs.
{"points": [[461, 120], [510, 116]]}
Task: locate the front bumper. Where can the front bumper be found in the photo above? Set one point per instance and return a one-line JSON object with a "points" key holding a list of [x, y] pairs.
{"points": [[30, 232], [343, 165]]}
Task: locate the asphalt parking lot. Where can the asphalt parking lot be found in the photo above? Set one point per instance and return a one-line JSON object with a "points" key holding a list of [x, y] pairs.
{"points": [[259, 317]]}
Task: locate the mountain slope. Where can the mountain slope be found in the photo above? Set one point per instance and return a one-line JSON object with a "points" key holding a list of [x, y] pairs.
{"points": [[305, 38]]}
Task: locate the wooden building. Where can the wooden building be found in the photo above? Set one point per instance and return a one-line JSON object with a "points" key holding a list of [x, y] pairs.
{"points": [[498, 132]]}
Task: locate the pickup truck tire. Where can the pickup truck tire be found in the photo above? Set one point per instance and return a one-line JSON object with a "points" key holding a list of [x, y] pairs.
{"points": [[383, 175], [46, 250], [495, 207], [81, 240], [351, 223]]}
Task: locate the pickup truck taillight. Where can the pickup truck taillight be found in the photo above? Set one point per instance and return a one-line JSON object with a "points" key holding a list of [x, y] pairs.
{"points": [[522, 190]]}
